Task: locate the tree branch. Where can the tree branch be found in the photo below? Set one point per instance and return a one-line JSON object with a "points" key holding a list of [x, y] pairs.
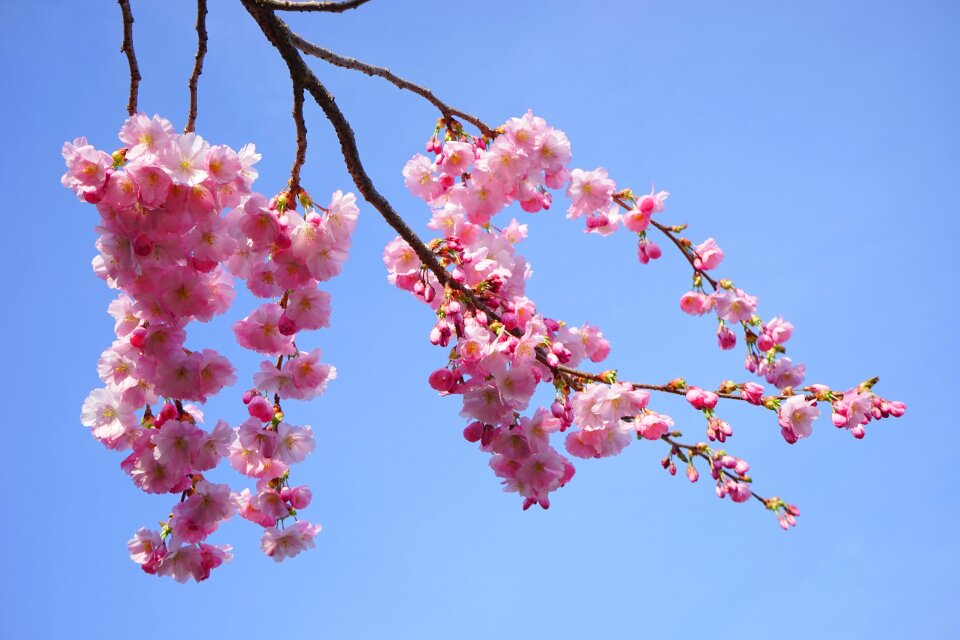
{"points": [[446, 110], [327, 7], [301, 138], [127, 48], [282, 38], [197, 63]]}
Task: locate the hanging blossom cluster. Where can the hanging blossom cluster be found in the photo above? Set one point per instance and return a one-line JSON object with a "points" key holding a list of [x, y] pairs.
{"points": [[501, 347], [594, 195], [178, 222]]}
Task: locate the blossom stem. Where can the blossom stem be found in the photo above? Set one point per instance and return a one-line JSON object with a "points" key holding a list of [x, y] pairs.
{"points": [[127, 48], [197, 63]]}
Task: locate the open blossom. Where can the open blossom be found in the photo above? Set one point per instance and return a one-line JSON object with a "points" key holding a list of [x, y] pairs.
{"points": [[309, 377], [144, 136], [589, 191], [695, 303], [293, 443], [796, 417], [736, 306], [653, 426], [260, 331], [289, 542], [708, 255], [419, 178], [109, 417]]}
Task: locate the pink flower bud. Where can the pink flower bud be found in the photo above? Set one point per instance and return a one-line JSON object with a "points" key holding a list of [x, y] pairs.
{"points": [[442, 380], [259, 408], [142, 246], [557, 410], [300, 497], [726, 338], [764, 342], [473, 432], [138, 337], [286, 326], [692, 474], [646, 204], [167, 412], [752, 392]]}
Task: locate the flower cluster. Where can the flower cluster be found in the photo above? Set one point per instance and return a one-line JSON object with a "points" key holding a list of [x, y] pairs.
{"points": [[178, 222], [501, 347], [595, 195]]}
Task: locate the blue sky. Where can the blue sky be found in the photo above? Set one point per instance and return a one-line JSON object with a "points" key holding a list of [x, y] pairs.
{"points": [[818, 142]]}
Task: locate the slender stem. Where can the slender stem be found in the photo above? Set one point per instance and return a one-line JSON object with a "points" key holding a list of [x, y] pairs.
{"points": [[328, 7], [301, 138], [127, 48], [446, 110], [197, 63]]}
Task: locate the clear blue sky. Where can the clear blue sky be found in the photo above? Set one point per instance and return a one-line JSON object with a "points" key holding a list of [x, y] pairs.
{"points": [[817, 141]]}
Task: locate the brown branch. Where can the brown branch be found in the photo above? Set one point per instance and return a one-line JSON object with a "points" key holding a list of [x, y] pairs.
{"points": [[301, 138], [327, 7], [197, 63], [127, 48], [446, 110]]}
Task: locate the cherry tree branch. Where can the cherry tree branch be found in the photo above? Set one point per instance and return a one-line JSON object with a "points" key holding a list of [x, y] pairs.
{"points": [[446, 110], [197, 63], [127, 48], [327, 7], [282, 39]]}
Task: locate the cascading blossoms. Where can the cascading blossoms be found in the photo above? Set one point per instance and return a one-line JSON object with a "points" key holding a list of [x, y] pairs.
{"points": [[179, 221]]}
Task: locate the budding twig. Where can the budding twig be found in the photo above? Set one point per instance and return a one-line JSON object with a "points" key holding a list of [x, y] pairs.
{"points": [[673, 238], [127, 48], [197, 63]]}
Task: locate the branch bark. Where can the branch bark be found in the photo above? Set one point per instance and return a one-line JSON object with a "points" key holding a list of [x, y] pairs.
{"points": [[197, 63], [328, 7], [127, 48]]}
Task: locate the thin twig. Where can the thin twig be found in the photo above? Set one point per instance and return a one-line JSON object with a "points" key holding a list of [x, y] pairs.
{"points": [[328, 7], [446, 110], [127, 48], [197, 63], [301, 138]]}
